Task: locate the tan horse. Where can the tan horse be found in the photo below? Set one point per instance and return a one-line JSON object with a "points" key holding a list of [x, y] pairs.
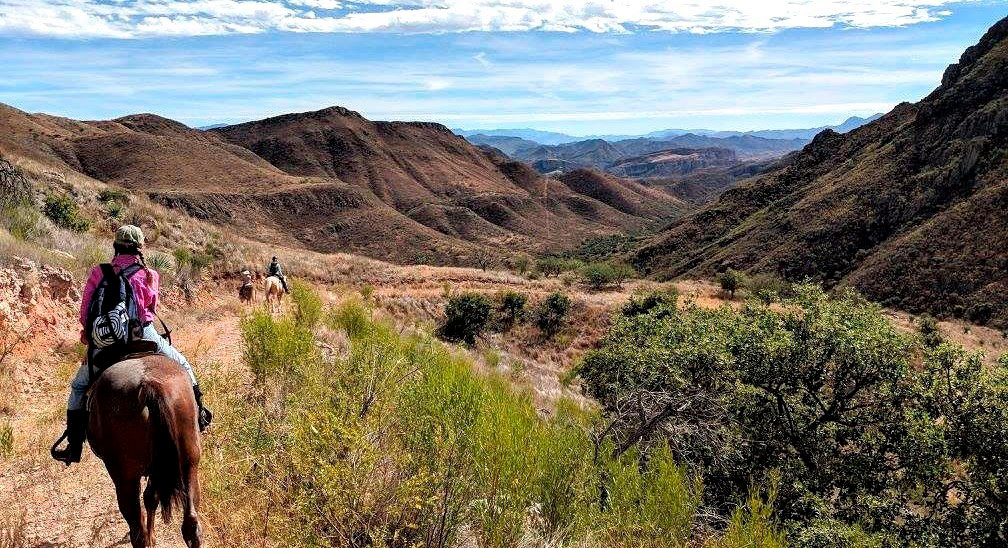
{"points": [[274, 293], [143, 423]]}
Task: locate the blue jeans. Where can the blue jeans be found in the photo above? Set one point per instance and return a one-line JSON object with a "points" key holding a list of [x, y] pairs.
{"points": [[80, 383]]}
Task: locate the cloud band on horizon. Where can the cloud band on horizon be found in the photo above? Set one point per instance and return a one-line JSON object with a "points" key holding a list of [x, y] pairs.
{"points": [[149, 18]]}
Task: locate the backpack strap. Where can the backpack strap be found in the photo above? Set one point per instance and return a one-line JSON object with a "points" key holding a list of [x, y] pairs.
{"points": [[108, 271], [130, 270]]}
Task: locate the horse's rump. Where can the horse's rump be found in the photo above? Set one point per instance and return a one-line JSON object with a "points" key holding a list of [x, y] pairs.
{"points": [[245, 291], [143, 422]]}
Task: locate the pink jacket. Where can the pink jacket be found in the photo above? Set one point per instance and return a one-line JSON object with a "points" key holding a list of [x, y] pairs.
{"points": [[145, 291]]}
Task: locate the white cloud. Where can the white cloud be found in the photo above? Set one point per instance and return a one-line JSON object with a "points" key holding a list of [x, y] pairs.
{"points": [[138, 18]]}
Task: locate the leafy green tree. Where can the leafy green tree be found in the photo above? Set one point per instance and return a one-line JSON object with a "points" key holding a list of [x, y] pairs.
{"points": [[466, 317], [731, 280], [601, 275]]}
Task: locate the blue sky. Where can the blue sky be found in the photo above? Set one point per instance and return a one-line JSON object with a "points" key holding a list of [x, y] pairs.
{"points": [[581, 67]]}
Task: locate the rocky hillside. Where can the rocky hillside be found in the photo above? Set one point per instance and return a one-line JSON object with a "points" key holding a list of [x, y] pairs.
{"points": [[911, 209], [333, 181]]}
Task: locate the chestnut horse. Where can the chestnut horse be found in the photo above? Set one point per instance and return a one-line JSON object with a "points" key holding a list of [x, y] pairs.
{"points": [[274, 292], [143, 423]]}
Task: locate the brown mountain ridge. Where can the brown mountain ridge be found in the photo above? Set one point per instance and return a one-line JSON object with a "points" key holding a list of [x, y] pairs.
{"points": [[911, 209], [332, 180]]}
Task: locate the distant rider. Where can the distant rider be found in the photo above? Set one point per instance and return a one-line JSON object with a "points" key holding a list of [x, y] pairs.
{"points": [[145, 284], [275, 270]]}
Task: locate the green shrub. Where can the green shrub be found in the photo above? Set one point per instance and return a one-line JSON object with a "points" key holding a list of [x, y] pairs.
{"points": [[930, 335], [552, 313], [521, 263], [199, 262], [113, 195], [601, 248], [183, 257], [817, 391], [366, 292], [731, 280], [510, 308], [350, 317], [6, 439], [601, 275], [276, 348], [645, 304], [768, 288], [63, 212], [307, 305], [115, 210], [399, 442], [554, 266], [466, 316], [22, 222], [656, 507]]}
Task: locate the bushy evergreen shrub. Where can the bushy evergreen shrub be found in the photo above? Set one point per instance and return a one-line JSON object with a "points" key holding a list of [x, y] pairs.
{"points": [[63, 212], [466, 317], [552, 313]]}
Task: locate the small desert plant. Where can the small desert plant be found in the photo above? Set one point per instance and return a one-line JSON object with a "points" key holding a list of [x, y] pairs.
{"points": [[183, 257], [731, 280], [199, 263], [552, 313], [521, 263], [510, 308], [930, 335], [160, 262], [6, 439], [350, 317], [110, 195], [307, 305], [115, 210], [366, 292], [63, 212], [466, 316]]}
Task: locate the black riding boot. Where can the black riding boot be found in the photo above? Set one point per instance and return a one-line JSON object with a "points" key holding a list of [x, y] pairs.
{"points": [[205, 417], [76, 433]]}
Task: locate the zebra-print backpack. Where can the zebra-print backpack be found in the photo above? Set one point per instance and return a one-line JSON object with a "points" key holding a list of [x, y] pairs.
{"points": [[112, 313]]}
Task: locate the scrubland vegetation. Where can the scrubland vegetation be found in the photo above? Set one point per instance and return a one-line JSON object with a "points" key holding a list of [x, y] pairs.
{"points": [[873, 437], [350, 433]]}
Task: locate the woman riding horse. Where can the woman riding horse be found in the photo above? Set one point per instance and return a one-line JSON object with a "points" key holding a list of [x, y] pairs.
{"points": [[145, 283]]}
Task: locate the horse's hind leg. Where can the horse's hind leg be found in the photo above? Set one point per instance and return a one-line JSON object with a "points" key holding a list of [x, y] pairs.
{"points": [[150, 500], [191, 530], [128, 497]]}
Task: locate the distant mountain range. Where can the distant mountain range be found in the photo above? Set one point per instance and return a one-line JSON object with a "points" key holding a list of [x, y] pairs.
{"points": [[556, 138]]}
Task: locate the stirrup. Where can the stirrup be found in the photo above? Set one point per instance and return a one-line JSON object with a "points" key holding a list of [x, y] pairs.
{"points": [[62, 455]]}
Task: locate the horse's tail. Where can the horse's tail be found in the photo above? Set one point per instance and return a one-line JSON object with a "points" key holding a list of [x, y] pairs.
{"points": [[165, 474]]}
